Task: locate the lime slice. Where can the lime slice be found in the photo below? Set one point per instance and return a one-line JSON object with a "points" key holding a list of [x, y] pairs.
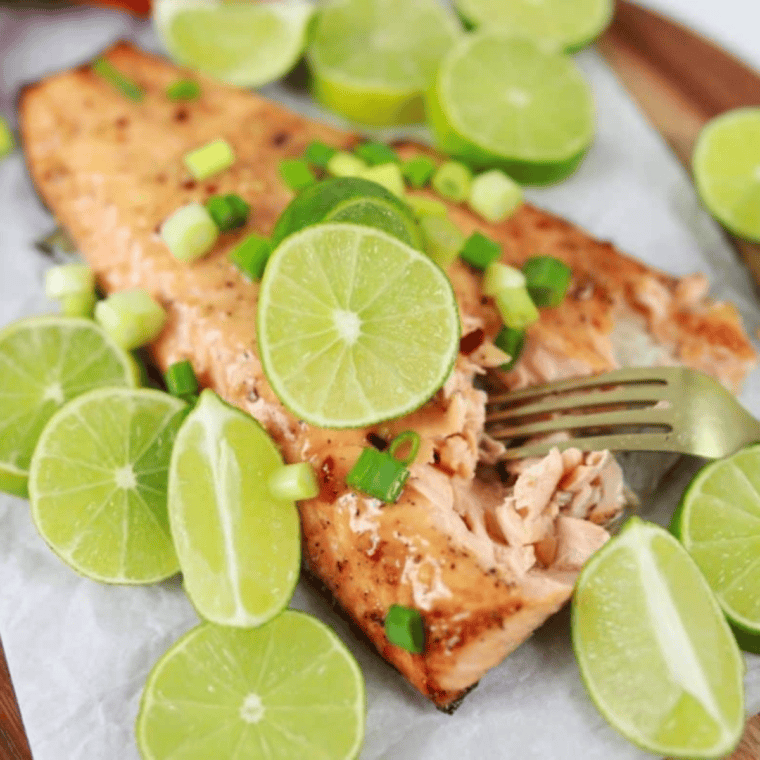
{"points": [[243, 43], [353, 200], [239, 548], [654, 649], [289, 689], [354, 326], [718, 522], [373, 59], [504, 102], [97, 484], [726, 168], [44, 362], [554, 24]]}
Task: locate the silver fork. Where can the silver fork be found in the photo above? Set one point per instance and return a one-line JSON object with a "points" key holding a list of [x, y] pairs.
{"points": [[636, 409]]}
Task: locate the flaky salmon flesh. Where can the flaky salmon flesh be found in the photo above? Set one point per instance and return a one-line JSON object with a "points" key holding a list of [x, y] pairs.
{"points": [[487, 553]]}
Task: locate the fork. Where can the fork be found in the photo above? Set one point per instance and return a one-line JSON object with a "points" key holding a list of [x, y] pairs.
{"points": [[637, 409]]}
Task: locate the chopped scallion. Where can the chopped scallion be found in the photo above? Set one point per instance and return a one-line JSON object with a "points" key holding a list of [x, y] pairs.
{"points": [[405, 628], [443, 239], [296, 174], [79, 304], [410, 439], [69, 280], [228, 211], [452, 180], [376, 153], [418, 170], [7, 143], [210, 159], [131, 317], [516, 308], [190, 232], [511, 342], [251, 256], [480, 251], [183, 89], [106, 70], [180, 379], [294, 482], [499, 277], [319, 154], [495, 196], [345, 164], [421, 206], [387, 175], [548, 280]]}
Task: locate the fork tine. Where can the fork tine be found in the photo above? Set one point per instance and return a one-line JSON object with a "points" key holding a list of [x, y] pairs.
{"points": [[624, 442]]}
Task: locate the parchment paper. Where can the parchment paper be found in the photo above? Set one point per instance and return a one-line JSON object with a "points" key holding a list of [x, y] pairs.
{"points": [[79, 652]]}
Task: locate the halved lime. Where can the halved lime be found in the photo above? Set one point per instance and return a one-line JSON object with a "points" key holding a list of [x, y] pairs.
{"points": [[654, 649], [354, 326], [44, 362], [499, 101], [353, 200], [559, 24], [239, 548], [243, 43], [97, 484], [726, 168], [372, 60], [718, 521], [289, 689]]}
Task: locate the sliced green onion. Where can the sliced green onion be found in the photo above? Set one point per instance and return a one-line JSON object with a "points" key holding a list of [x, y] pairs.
{"points": [[405, 628], [516, 308], [183, 89], [511, 342], [7, 143], [548, 280], [495, 196], [480, 251], [376, 153], [443, 239], [294, 482], [319, 154], [345, 164], [190, 232], [387, 175], [79, 304], [228, 211], [210, 159], [129, 88], [408, 438], [132, 318], [499, 277], [417, 171], [180, 379], [251, 256], [69, 280], [452, 180], [296, 173], [421, 206]]}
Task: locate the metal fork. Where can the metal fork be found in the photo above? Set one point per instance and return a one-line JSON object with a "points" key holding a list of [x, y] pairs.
{"points": [[637, 409]]}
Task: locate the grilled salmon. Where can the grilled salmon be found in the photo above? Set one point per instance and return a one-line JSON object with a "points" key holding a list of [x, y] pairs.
{"points": [[486, 553]]}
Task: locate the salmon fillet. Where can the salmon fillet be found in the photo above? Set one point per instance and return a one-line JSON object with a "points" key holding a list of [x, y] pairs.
{"points": [[486, 553]]}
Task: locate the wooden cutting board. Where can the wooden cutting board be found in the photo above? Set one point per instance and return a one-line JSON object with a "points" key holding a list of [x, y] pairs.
{"points": [[681, 81]]}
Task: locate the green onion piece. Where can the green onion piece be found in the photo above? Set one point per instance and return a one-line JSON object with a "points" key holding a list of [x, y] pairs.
{"points": [[296, 174], [421, 206], [251, 256], [480, 251], [417, 171], [548, 280], [387, 175], [79, 304], [183, 89], [106, 70], [376, 153], [408, 438], [131, 317], [405, 628], [499, 277], [69, 280], [344, 164], [294, 482], [319, 154], [516, 308], [7, 143], [443, 239], [228, 211], [452, 180], [190, 232], [495, 196], [210, 159], [378, 474], [180, 379], [511, 342]]}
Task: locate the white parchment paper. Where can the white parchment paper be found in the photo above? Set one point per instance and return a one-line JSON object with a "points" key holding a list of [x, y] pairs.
{"points": [[79, 652]]}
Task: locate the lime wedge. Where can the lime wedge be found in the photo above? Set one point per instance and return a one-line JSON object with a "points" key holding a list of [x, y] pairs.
{"points": [[554, 24], [654, 649], [97, 484], [504, 102], [352, 200], [373, 59], [718, 521], [243, 43], [239, 548], [289, 689], [44, 362], [726, 168], [354, 326]]}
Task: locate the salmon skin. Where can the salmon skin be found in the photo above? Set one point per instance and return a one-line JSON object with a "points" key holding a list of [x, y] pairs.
{"points": [[485, 552]]}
